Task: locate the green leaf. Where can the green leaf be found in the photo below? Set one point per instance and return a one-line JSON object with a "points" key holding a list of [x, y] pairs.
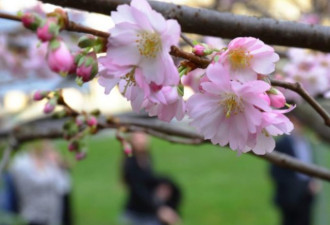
{"points": [[89, 61], [86, 41], [54, 44], [81, 60]]}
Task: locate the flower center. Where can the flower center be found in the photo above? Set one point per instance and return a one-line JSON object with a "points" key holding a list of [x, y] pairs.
{"points": [[239, 58], [231, 104], [149, 44]]}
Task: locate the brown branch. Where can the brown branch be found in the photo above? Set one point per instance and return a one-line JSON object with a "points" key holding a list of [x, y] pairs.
{"points": [[297, 87], [225, 25], [176, 133]]}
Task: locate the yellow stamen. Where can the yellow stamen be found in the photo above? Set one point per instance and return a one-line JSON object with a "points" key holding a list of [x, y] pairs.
{"points": [[239, 58], [231, 104], [149, 44]]}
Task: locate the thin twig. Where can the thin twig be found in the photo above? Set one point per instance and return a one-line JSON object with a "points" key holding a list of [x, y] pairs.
{"points": [[170, 132], [297, 87], [186, 39]]}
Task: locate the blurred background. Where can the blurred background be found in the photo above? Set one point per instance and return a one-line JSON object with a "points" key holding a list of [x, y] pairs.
{"points": [[217, 186]]}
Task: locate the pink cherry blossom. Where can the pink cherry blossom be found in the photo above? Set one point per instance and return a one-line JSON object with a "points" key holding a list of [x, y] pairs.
{"points": [[199, 50], [247, 57], [142, 38], [274, 123], [59, 57], [194, 78], [228, 110]]}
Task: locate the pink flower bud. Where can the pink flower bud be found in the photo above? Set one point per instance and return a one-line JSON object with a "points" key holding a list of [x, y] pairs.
{"points": [[30, 21], [80, 155], [50, 106], [199, 50], [73, 146], [48, 30], [80, 120], [39, 95], [92, 121], [87, 67], [277, 99], [59, 57]]}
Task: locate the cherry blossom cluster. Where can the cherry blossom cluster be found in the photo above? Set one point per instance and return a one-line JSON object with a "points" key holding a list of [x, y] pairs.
{"points": [[83, 64], [311, 69], [234, 103]]}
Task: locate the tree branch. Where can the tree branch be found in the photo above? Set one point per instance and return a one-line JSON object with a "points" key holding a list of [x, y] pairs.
{"points": [[225, 25], [50, 128]]}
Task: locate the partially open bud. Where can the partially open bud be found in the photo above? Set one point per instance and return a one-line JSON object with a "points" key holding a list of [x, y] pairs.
{"points": [[50, 106], [39, 95], [80, 155], [48, 30], [199, 50], [277, 98], [87, 67], [59, 57], [31, 21], [92, 121]]}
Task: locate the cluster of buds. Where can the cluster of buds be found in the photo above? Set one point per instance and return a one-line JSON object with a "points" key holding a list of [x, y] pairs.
{"points": [[59, 57], [83, 64], [127, 147], [51, 96], [75, 131]]}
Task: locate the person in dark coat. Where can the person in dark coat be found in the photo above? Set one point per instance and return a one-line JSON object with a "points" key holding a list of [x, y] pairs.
{"points": [[152, 200], [294, 192]]}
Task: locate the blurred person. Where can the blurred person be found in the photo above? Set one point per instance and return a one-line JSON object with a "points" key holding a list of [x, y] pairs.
{"points": [[152, 200], [294, 192], [41, 182]]}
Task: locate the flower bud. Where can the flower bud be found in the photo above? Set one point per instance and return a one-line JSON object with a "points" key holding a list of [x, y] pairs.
{"points": [[59, 57], [50, 106], [73, 146], [39, 95], [199, 50], [92, 121], [277, 98], [31, 21], [80, 120], [87, 67], [48, 30], [80, 155]]}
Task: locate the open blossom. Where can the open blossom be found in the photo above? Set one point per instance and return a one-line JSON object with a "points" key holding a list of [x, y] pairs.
{"points": [[228, 110], [142, 38], [274, 123], [247, 57]]}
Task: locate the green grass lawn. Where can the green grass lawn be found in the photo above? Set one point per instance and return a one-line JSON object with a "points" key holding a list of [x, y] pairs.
{"points": [[218, 186]]}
